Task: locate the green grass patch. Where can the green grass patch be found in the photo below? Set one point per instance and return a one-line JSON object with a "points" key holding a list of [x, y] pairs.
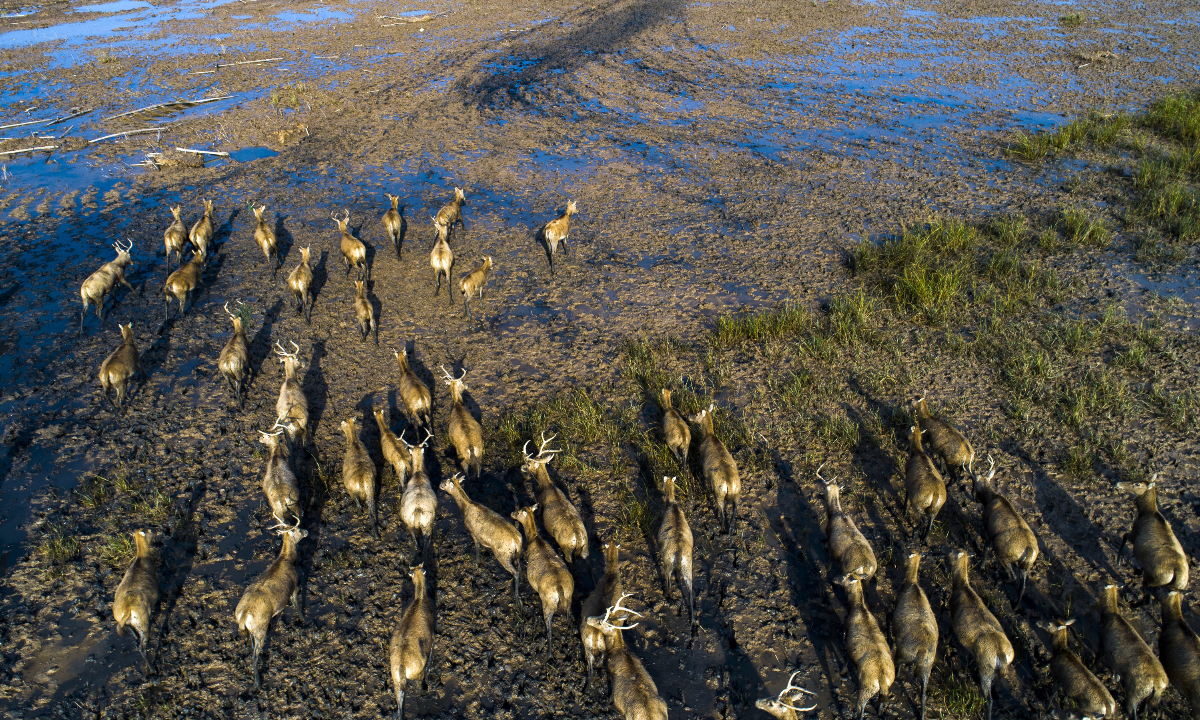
{"points": [[789, 321], [1081, 229], [118, 550], [1071, 20], [58, 548]]}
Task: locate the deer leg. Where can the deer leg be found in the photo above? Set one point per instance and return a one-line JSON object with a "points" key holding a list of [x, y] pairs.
{"points": [[400, 699]]}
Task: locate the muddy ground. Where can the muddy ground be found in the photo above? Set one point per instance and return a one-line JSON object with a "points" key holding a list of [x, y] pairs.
{"points": [[725, 157]]}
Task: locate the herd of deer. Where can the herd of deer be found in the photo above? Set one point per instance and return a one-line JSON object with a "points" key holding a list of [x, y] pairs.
{"points": [[914, 626]]}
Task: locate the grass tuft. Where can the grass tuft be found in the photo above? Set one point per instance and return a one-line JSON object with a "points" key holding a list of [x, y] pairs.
{"points": [[59, 548], [789, 321], [1072, 20]]}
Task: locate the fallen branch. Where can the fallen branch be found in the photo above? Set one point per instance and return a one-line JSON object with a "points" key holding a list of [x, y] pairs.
{"points": [[23, 124], [202, 72], [72, 116], [203, 152], [175, 104], [32, 149], [249, 62], [326, 57], [406, 20], [130, 132]]}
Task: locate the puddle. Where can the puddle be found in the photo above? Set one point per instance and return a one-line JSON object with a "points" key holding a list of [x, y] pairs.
{"points": [[313, 15], [113, 7], [252, 153]]}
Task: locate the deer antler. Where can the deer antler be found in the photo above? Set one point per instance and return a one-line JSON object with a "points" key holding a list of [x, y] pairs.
{"points": [[604, 623], [823, 479], [231, 315], [449, 377], [283, 528], [546, 441], [790, 687]]}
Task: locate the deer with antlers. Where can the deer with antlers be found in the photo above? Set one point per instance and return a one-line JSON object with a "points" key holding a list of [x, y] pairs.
{"points": [[466, 435], [418, 503], [441, 259], [175, 238], [847, 545], [183, 282], [271, 593], [354, 252], [414, 393], [292, 405], [203, 231], [100, 283], [634, 693], [234, 362], [300, 283], [267, 242], [559, 515], [279, 482], [786, 709], [719, 469]]}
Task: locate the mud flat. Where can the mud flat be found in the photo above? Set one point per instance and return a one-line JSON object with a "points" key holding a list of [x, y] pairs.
{"points": [[803, 213]]}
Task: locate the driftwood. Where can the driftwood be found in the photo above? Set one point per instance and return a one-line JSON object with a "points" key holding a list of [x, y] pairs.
{"points": [[408, 20], [249, 62], [173, 105], [32, 149], [204, 152], [130, 132]]}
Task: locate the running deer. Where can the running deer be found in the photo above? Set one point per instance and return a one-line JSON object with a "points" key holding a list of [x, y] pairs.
{"points": [[100, 283], [270, 594], [786, 709], [411, 648], [119, 367], [977, 629], [1158, 552], [137, 595], [393, 223], [867, 648], [451, 213], [466, 435], [1179, 648], [418, 503], [279, 482], [914, 626], [547, 573], [292, 406], [234, 363], [719, 469], [472, 285], [947, 442], [490, 530], [358, 474], [675, 546], [354, 252], [606, 592], [265, 237], [441, 259], [924, 489], [1072, 678], [847, 545], [183, 282], [1011, 538], [175, 238], [675, 430], [414, 394], [395, 450], [203, 231], [300, 283], [1129, 657], [634, 693], [559, 515], [364, 312], [556, 231]]}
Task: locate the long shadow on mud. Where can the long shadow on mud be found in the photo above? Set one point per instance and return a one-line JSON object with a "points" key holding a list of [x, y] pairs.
{"points": [[260, 345], [285, 239], [320, 273], [316, 389]]}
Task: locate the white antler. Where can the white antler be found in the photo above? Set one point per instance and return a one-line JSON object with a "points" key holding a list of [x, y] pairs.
{"points": [[231, 315], [546, 441], [604, 623], [449, 378], [823, 479], [790, 687]]}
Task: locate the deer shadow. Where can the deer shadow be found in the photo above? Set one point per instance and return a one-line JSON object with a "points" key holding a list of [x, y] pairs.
{"points": [[376, 307], [259, 348], [285, 239], [320, 277], [179, 556]]}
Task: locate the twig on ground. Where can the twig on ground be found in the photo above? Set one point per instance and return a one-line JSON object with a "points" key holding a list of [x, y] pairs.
{"points": [[32, 149], [130, 132], [181, 104], [203, 152]]}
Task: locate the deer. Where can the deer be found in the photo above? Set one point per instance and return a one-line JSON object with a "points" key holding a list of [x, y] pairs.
{"points": [[560, 517], [451, 213], [914, 626], [1011, 538], [490, 530], [675, 430], [675, 546], [119, 367], [234, 362], [175, 238], [634, 693], [1179, 648], [547, 573], [719, 469], [867, 647], [137, 595], [1129, 657], [395, 450], [358, 474], [411, 648], [270, 594], [100, 283], [292, 405], [1158, 552], [300, 283], [472, 285], [393, 224], [847, 545], [976, 628], [364, 312], [1072, 678], [265, 237], [418, 503], [183, 282], [610, 587], [786, 709], [556, 231], [203, 231], [414, 394], [441, 259], [354, 252], [947, 442], [924, 489], [279, 482], [466, 435]]}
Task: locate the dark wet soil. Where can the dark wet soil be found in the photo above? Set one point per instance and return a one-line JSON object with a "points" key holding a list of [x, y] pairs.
{"points": [[722, 156]]}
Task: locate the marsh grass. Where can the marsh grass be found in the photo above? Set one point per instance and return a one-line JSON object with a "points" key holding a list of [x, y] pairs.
{"points": [[118, 550], [59, 547], [1071, 20], [95, 491], [1081, 229], [1094, 128], [789, 321]]}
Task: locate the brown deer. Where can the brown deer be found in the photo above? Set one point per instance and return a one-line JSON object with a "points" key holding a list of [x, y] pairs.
{"points": [[270, 594], [234, 363], [354, 252], [411, 648], [267, 242], [559, 515], [203, 231], [451, 212], [119, 367], [183, 282], [175, 238], [556, 231], [441, 259], [634, 693], [300, 283], [137, 595], [472, 285], [547, 573], [719, 469], [393, 223], [100, 283], [466, 434]]}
